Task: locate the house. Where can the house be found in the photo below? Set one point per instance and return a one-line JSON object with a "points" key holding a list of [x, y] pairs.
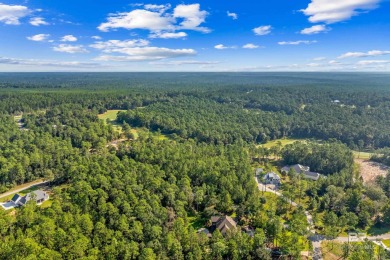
{"points": [[271, 178], [223, 224], [304, 170], [39, 196]]}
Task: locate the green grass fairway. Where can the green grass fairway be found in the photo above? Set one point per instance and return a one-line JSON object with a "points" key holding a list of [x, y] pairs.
{"points": [[110, 114], [283, 141], [362, 155]]}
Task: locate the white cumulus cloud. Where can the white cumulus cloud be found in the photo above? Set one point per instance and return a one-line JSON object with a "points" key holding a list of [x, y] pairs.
{"points": [[69, 38], [332, 11], [363, 54], [250, 46], [137, 50], [157, 8], [223, 47], [315, 29], [11, 14], [114, 45], [192, 17], [234, 16], [39, 37], [38, 21], [263, 30], [296, 42], [155, 18], [168, 35], [70, 48]]}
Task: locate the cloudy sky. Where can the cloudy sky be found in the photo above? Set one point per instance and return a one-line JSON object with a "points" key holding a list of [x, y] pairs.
{"points": [[279, 35]]}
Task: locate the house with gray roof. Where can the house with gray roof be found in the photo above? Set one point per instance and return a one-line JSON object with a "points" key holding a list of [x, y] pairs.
{"points": [[271, 178], [39, 196], [301, 169]]}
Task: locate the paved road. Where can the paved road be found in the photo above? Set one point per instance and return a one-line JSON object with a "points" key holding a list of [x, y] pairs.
{"points": [[317, 239], [317, 254], [22, 189]]}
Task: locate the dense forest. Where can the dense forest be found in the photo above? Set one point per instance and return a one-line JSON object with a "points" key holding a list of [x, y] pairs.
{"points": [[145, 197]]}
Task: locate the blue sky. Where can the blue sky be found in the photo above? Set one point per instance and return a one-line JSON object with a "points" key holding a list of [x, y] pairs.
{"points": [[279, 35]]}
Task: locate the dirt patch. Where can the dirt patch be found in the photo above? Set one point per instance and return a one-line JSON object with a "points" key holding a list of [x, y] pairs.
{"points": [[116, 143], [370, 170]]}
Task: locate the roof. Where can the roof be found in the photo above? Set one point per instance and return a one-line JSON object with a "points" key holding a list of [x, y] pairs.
{"points": [[271, 175], [15, 198], [297, 167], [215, 219], [226, 223], [203, 230], [259, 170], [314, 174], [302, 169], [38, 195]]}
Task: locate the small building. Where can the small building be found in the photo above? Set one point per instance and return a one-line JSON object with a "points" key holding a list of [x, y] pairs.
{"points": [[258, 171], [223, 224], [39, 196], [204, 231], [249, 231], [271, 178], [304, 170]]}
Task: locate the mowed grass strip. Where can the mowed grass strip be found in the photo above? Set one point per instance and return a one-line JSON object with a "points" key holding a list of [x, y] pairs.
{"points": [[283, 142], [110, 114]]}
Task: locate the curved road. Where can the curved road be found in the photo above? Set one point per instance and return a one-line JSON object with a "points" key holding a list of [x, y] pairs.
{"points": [[315, 238]]}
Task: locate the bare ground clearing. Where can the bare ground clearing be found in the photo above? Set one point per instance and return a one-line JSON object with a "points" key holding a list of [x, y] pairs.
{"points": [[370, 170]]}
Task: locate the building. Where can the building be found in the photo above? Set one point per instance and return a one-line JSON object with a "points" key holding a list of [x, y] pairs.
{"points": [[304, 170], [258, 171], [38, 196], [204, 231], [223, 224], [271, 178]]}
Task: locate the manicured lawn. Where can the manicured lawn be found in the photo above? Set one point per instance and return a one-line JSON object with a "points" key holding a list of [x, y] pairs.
{"points": [[283, 141], [47, 204], [362, 155], [110, 114], [386, 242], [4, 199]]}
